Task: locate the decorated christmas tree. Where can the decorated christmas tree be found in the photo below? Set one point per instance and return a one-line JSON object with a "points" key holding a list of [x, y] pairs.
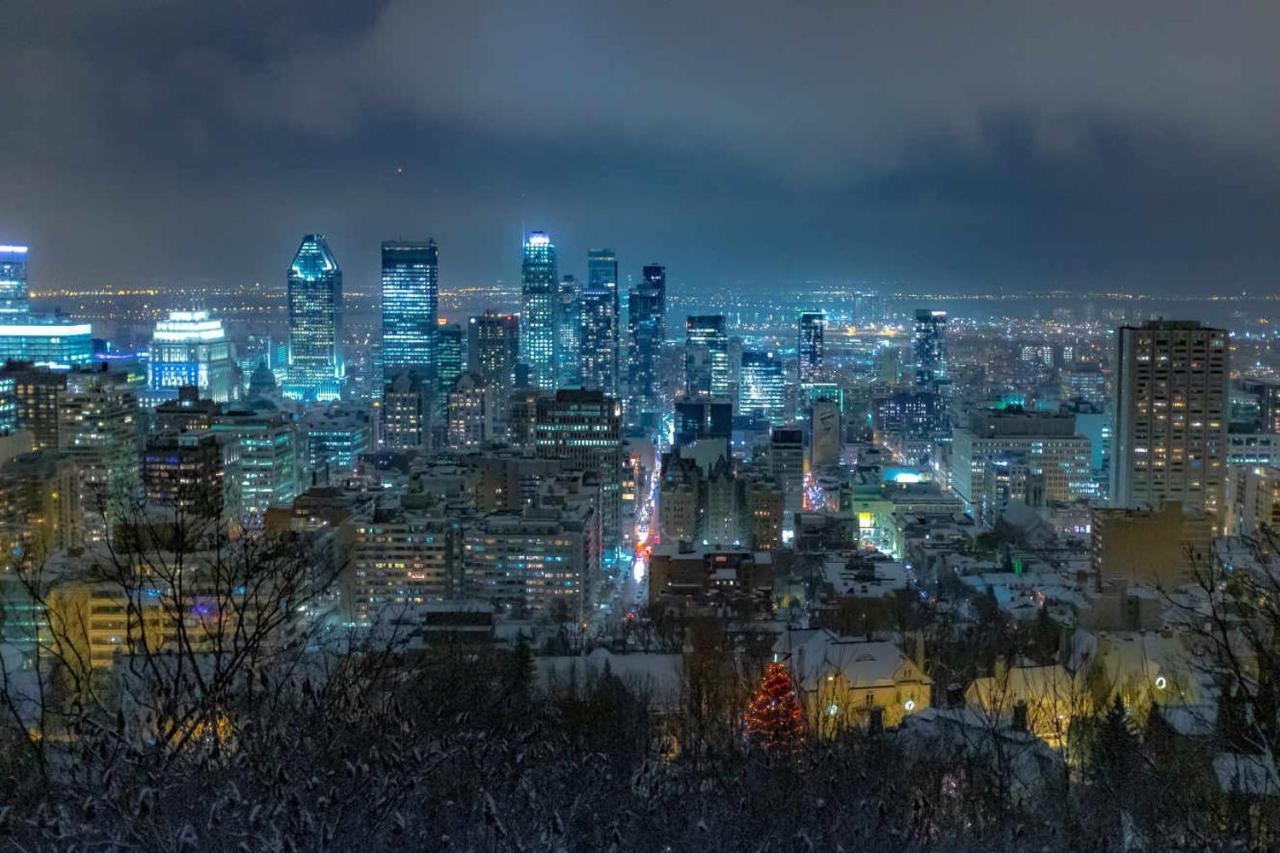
{"points": [[774, 717]]}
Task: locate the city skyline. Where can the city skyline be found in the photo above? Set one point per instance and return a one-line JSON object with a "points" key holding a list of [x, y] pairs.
{"points": [[1047, 163]]}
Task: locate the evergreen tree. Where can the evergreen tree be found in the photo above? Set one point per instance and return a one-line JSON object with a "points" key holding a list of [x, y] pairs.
{"points": [[774, 717], [1113, 759]]}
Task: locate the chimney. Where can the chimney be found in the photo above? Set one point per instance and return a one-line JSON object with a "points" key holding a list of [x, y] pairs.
{"points": [[1019, 716]]}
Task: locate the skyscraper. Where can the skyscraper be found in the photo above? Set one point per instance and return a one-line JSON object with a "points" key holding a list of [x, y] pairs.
{"points": [[538, 294], [812, 327], [584, 429], [930, 343], [315, 317], [1171, 416], [645, 335], [493, 347], [410, 296], [655, 276], [13, 282], [568, 335], [598, 311], [706, 357], [448, 356], [191, 348], [764, 387]]}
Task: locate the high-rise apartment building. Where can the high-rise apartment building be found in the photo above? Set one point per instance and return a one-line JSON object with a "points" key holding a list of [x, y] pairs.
{"points": [[38, 394], [14, 300], [786, 465], [191, 348], [598, 313], [930, 345], [315, 320], [584, 430], [472, 413], [1170, 438], [813, 326], [539, 292], [406, 414], [493, 349], [183, 472], [410, 299], [99, 430], [261, 456]]}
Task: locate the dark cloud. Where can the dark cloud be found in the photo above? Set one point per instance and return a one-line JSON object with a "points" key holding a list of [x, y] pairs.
{"points": [[930, 144]]}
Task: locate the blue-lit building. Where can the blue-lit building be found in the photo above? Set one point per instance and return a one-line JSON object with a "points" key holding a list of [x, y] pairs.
{"points": [[706, 357], [539, 292], [191, 348], [930, 345], [51, 340], [333, 439], [13, 281], [598, 315], [646, 325], [764, 387], [813, 326], [410, 300], [315, 318], [449, 357], [568, 335]]}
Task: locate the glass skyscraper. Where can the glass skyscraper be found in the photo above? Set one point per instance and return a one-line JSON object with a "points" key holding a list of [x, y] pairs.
{"points": [[764, 387], [598, 311], [655, 276], [930, 343], [539, 291], [448, 356], [410, 297], [568, 335], [645, 334], [812, 328], [315, 316], [13, 282], [706, 357]]}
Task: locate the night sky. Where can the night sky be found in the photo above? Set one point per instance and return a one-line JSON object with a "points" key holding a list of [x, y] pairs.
{"points": [[933, 145]]}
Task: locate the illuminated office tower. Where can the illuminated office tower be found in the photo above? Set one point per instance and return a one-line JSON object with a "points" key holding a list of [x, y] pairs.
{"points": [[598, 313], [568, 335], [930, 344], [48, 340], [410, 295], [764, 387], [812, 327], [706, 357], [472, 413], [448, 356], [13, 282], [1171, 416], [493, 348], [584, 430], [644, 340], [655, 277], [191, 348], [315, 317], [539, 290]]}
